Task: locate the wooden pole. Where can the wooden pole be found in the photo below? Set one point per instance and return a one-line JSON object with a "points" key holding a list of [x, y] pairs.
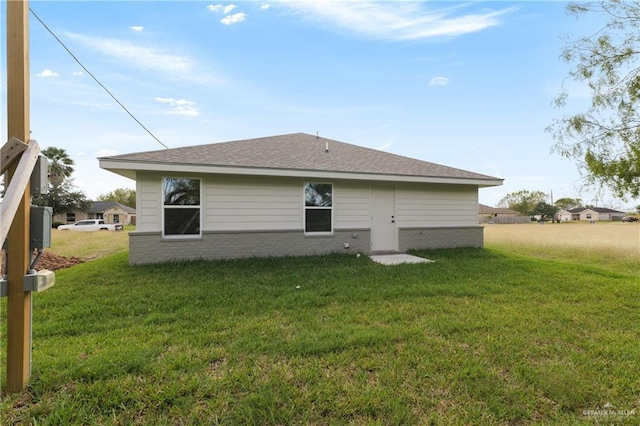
{"points": [[14, 191], [18, 254]]}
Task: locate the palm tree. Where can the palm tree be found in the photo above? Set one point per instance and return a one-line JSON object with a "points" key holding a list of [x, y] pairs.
{"points": [[60, 165], [62, 196]]}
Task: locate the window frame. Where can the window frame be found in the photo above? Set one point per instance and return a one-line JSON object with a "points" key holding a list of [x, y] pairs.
{"points": [[164, 207], [305, 208]]}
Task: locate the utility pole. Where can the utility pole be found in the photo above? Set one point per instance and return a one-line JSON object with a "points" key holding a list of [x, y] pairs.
{"points": [[18, 253]]}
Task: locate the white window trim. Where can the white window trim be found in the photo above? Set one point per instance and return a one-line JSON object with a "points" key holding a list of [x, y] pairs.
{"points": [[163, 207], [305, 207]]}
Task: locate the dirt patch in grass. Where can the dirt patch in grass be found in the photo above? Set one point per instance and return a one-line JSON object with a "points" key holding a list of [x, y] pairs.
{"points": [[54, 262], [48, 260]]}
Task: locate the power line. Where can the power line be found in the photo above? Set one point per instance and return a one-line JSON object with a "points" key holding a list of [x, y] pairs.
{"points": [[96, 80]]}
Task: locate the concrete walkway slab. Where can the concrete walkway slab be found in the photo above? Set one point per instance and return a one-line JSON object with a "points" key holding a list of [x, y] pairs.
{"points": [[397, 259]]}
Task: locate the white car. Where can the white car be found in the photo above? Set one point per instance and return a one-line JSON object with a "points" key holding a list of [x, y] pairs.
{"points": [[92, 225]]}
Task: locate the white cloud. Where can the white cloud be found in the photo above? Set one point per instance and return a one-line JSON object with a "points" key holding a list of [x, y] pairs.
{"points": [[265, 6], [396, 20], [215, 7], [48, 73], [147, 58], [78, 73], [229, 19], [439, 81], [137, 28], [221, 8], [233, 19], [181, 106], [141, 56]]}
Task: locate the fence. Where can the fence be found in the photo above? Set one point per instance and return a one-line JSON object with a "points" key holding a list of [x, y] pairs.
{"points": [[505, 220]]}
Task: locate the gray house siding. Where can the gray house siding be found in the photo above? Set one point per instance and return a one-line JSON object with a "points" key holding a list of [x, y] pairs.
{"points": [[150, 247], [244, 216], [440, 237], [437, 216]]}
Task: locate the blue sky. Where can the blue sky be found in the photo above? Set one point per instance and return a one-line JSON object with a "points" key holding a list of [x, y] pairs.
{"points": [[465, 84]]}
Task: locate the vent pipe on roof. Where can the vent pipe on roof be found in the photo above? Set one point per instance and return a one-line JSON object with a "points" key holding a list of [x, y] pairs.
{"points": [[326, 146]]}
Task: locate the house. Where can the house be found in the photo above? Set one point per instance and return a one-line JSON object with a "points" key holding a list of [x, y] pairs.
{"points": [[488, 214], [590, 213], [109, 211], [294, 194]]}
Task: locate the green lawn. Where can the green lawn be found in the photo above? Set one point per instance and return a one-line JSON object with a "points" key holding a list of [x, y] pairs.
{"points": [[478, 337]]}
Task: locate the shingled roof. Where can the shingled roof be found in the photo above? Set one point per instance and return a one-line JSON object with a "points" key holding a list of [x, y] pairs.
{"points": [[595, 209], [102, 206], [484, 209], [296, 151]]}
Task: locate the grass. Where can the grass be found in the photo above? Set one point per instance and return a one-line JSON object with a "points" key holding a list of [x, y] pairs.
{"points": [[614, 245], [89, 245], [492, 336]]}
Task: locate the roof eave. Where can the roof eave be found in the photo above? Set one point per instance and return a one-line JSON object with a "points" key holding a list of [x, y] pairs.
{"points": [[128, 168]]}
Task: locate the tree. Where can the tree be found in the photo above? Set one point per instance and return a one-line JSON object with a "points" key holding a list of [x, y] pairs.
{"points": [[568, 203], [545, 211], [60, 165], [124, 196], [523, 201], [605, 138], [63, 196]]}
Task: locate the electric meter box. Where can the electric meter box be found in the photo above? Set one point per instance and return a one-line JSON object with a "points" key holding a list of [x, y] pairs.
{"points": [[40, 227]]}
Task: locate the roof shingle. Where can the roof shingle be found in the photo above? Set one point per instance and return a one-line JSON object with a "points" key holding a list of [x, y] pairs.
{"points": [[484, 209], [102, 206], [299, 151], [595, 209]]}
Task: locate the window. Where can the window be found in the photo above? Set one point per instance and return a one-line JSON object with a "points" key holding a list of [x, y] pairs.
{"points": [[181, 200], [318, 207], [116, 218], [71, 217]]}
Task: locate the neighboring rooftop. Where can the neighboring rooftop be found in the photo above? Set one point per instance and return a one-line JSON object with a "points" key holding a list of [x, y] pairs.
{"points": [[102, 206], [595, 209], [296, 151], [484, 209]]}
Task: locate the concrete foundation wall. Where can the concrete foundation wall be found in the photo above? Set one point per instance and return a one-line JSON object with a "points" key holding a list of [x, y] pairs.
{"points": [[441, 237], [150, 247]]}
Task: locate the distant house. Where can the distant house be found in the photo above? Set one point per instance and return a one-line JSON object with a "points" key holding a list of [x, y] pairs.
{"points": [[295, 194], [109, 211], [488, 214], [590, 213]]}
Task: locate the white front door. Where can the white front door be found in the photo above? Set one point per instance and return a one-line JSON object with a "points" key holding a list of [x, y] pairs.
{"points": [[384, 236]]}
